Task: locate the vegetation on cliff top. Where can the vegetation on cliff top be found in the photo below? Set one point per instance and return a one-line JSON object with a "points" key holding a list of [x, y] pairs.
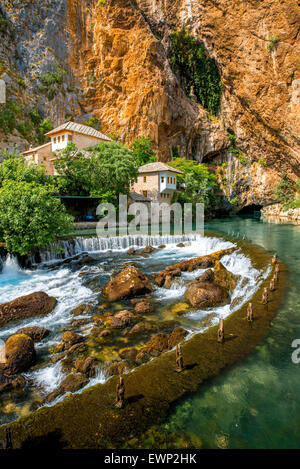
{"points": [[199, 74]]}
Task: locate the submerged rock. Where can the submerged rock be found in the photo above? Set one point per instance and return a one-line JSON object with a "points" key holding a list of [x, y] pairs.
{"points": [[131, 251], [87, 259], [35, 304], [157, 345], [127, 284], [206, 294], [9, 383], [118, 368], [148, 250], [81, 309], [143, 307], [35, 333], [176, 336], [71, 383], [121, 319], [71, 338], [86, 366], [20, 353]]}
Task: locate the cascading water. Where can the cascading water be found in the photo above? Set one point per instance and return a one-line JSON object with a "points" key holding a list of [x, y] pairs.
{"points": [[74, 284], [67, 248]]}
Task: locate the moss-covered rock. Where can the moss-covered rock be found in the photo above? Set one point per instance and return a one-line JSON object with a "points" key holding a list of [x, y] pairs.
{"points": [[20, 353], [224, 277], [206, 294], [35, 333], [127, 284], [35, 304]]}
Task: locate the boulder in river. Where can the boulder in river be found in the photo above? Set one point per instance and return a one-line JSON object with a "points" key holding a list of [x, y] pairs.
{"points": [[121, 320], [35, 333], [86, 366], [206, 294], [224, 277], [148, 250], [20, 353], [35, 304], [127, 284], [164, 278]]}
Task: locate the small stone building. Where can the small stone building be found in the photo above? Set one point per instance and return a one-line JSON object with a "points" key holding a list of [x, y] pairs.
{"points": [[81, 135], [157, 182]]}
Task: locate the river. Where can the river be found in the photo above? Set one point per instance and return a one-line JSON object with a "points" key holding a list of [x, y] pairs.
{"points": [[256, 404]]}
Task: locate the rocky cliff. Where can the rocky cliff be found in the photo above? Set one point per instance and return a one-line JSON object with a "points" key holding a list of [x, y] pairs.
{"points": [[111, 59]]}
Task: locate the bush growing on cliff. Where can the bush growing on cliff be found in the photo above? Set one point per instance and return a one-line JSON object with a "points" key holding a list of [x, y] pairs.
{"points": [[285, 193], [30, 217], [143, 151], [198, 72], [199, 182]]}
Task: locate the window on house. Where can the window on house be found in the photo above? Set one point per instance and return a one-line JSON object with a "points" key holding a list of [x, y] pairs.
{"points": [[62, 138], [162, 179], [58, 139], [168, 180], [145, 193], [69, 138], [145, 179], [54, 140]]}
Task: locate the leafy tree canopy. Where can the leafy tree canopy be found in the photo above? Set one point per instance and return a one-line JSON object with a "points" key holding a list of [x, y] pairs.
{"points": [[198, 180], [15, 168], [107, 171], [143, 151], [30, 216]]}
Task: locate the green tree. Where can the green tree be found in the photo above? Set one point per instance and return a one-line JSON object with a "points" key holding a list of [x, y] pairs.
{"points": [[143, 151], [74, 171], [113, 169], [107, 170], [15, 168], [30, 216], [199, 182]]}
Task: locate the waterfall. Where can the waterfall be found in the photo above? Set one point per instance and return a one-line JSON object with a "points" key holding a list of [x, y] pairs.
{"points": [[69, 248], [10, 267]]}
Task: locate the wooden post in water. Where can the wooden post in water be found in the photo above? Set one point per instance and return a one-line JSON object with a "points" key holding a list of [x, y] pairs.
{"points": [[250, 313], [265, 297], [272, 284], [221, 335], [179, 359], [274, 259], [8, 439], [120, 391]]}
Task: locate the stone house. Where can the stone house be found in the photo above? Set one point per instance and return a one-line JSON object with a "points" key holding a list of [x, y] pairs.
{"points": [[156, 182], [81, 135]]}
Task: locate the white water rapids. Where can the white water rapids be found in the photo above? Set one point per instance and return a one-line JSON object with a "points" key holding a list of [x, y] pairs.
{"points": [[66, 285]]}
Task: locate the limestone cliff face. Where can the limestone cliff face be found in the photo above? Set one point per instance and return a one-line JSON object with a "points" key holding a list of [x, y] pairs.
{"points": [[115, 54]]}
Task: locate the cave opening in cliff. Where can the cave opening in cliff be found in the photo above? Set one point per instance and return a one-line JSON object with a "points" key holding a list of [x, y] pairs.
{"points": [[251, 209]]}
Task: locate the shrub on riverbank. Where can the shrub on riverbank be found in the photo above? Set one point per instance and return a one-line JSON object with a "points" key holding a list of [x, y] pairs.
{"points": [[30, 216]]}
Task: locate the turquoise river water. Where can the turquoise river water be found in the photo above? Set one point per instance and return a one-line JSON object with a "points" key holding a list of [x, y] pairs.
{"points": [[255, 404]]}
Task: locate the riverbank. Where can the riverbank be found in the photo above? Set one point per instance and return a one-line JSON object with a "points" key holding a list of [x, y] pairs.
{"points": [[90, 421], [276, 214]]}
